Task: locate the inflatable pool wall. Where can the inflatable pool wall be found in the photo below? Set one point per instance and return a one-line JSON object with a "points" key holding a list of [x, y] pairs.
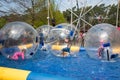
{"points": [[17, 74]]}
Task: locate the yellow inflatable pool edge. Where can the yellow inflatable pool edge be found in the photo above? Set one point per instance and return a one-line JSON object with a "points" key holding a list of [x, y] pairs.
{"points": [[13, 74], [18, 74], [25, 46], [60, 47]]}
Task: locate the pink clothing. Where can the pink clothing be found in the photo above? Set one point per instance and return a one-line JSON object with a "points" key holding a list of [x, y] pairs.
{"points": [[17, 55], [81, 35], [100, 48], [99, 51]]}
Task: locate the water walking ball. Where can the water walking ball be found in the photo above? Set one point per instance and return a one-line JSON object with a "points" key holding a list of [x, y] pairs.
{"points": [[64, 30], [52, 36], [102, 34], [16, 37], [44, 31]]}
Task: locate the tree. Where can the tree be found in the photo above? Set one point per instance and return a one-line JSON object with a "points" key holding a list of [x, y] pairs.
{"points": [[34, 12], [2, 22], [99, 14]]}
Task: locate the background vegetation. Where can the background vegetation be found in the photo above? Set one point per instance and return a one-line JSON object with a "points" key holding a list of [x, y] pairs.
{"points": [[35, 12]]}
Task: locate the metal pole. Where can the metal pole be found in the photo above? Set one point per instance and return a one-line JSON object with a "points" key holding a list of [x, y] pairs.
{"points": [[117, 14], [48, 17], [71, 15]]}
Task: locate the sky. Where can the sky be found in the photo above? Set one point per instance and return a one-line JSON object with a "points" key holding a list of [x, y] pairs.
{"points": [[62, 4], [66, 4]]}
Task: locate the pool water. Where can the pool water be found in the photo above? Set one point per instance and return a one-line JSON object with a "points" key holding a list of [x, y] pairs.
{"points": [[80, 68]]}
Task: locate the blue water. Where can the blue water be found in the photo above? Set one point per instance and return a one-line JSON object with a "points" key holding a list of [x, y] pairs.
{"points": [[80, 68]]}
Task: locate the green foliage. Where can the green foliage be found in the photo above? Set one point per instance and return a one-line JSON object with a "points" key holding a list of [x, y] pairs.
{"points": [[2, 22], [59, 17], [35, 15]]}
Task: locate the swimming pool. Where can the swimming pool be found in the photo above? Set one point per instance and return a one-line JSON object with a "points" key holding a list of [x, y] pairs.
{"points": [[80, 68]]}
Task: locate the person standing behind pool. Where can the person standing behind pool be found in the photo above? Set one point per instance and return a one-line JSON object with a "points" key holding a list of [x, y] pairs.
{"points": [[42, 46], [41, 39], [81, 38]]}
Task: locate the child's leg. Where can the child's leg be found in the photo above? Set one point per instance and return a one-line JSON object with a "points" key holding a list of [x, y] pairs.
{"points": [[14, 57], [22, 55]]}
